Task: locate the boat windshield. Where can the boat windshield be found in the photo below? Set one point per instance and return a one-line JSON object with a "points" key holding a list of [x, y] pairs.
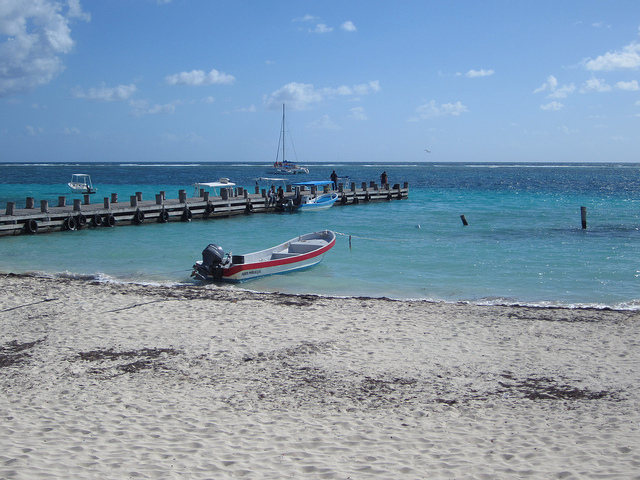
{"points": [[81, 178]]}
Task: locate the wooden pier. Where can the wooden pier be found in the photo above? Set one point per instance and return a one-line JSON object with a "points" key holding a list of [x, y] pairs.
{"points": [[231, 201]]}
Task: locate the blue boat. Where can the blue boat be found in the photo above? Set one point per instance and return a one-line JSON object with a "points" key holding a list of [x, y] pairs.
{"points": [[313, 202]]}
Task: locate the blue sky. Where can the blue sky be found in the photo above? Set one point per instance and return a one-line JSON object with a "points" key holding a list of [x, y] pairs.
{"points": [[379, 81]]}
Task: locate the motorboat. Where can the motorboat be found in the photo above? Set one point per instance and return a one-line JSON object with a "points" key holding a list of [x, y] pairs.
{"points": [[309, 203], [81, 183], [312, 202], [300, 252]]}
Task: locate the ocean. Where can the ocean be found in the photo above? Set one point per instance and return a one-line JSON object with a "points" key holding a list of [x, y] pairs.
{"points": [[524, 243]]}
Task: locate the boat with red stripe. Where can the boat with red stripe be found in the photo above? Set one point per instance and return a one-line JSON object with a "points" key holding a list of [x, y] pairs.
{"points": [[300, 252]]}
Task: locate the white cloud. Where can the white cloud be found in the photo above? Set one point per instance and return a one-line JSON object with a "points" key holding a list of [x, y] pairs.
{"points": [[551, 86], [479, 73], [348, 26], [33, 131], [361, 89], [71, 131], [75, 11], [142, 107], [562, 92], [358, 113], [249, 109], [322, 28], [324, 123], [431, 109], [629, 57], [367, 88], [299, 96], [552, 106], [567, 131], [199, 77], [106, 94], [35, 34], [306, 18], [186, 138], [209, 99], [595, 85], [632, 86]]}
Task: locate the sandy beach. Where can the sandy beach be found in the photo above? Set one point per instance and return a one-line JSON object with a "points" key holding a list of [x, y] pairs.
{"points": [[106, 381]]}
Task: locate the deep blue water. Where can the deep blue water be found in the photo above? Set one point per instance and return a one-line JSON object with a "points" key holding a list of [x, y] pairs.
{"points": [[524, 242]]}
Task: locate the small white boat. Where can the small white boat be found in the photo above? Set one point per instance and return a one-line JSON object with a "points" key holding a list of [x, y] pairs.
{"points": [[300, 252], [81, 183], [312, 204]]}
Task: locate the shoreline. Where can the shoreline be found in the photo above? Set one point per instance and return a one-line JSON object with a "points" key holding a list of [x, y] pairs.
{"points": [[108, 380], [238, 288]]}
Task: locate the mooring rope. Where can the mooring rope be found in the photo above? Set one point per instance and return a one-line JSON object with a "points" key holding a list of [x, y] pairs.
{"points": [[371, 239]]}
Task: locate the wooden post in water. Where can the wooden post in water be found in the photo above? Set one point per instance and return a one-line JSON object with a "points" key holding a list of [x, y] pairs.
{"points": [[44, 206], [10, 207], [62, 201], [583, 217], [464, 220], [30, 202], [114, 198]]}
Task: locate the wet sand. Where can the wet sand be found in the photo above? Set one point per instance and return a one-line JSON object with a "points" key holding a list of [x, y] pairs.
{"points": [[128, 381]]}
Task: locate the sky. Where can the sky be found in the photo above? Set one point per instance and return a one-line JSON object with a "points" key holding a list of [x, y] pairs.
{"points": [[362, 80]]}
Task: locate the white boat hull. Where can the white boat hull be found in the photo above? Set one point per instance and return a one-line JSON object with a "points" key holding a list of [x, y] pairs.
{"points": [[289, 171], [323, 202], [299, 253], [81, 188]]}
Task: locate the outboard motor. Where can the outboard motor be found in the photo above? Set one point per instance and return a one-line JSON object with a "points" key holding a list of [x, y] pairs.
{"points": [[212, 259], [212, 255]]}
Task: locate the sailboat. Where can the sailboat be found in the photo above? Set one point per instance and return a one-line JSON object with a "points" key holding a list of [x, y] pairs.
{"points": [[282, 166]]}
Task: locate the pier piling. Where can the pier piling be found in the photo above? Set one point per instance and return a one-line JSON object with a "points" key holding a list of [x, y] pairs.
{"points": [[583, 217]]}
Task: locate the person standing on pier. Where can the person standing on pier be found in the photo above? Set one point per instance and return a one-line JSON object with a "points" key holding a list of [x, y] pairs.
{"points": [[334, 179], [384, 179]]}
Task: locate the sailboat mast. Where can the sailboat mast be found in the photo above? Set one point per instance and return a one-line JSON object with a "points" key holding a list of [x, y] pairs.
{"points": [[283, 160]]}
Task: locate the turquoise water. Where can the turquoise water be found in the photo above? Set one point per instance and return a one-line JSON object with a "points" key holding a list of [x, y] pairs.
{"points": [[524, 242]]}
